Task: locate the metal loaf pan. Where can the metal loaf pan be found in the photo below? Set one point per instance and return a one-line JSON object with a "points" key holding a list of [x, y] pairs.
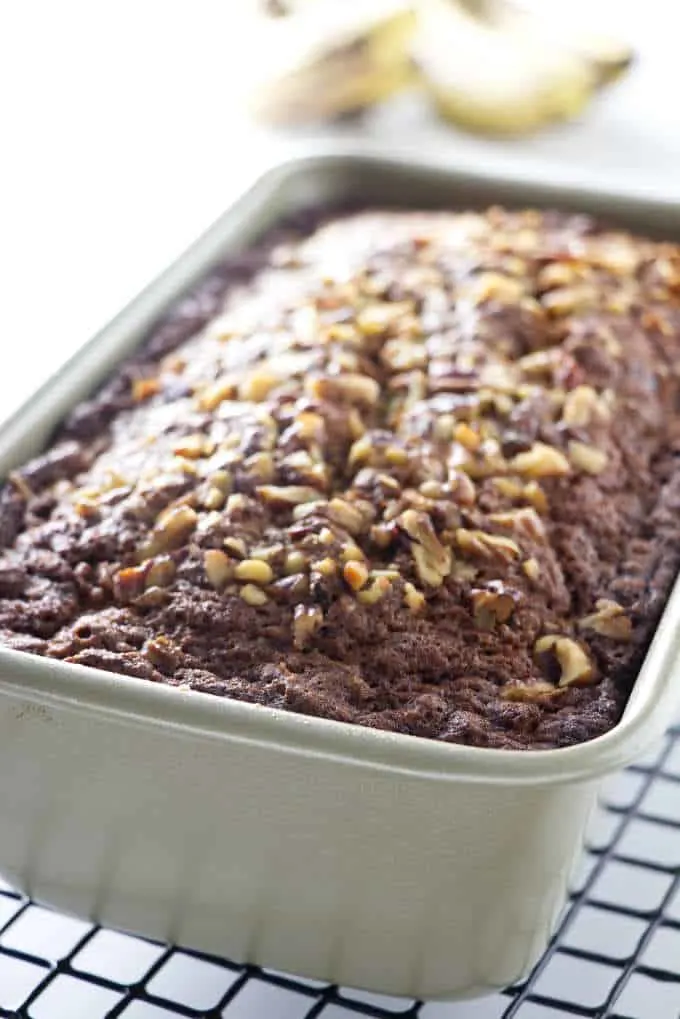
{"points": [[359, 857]]}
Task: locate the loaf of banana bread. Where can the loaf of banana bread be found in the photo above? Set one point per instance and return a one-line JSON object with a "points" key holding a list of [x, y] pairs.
{"points": [[418, 471]]}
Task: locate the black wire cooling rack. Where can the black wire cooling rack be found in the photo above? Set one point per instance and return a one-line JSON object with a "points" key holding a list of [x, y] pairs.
{"points": [[616, 952]]}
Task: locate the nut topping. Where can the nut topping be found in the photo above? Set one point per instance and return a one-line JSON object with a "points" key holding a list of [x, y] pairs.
{"points": [[213, 395], [492, 605], [287, 495], [354, 388], [414, 598], [257, 386], [525, 521], [466, 436], [218, 567], [364, 444], [161, 572], [582, 407], [587, 458], [172, 528], [355, 574], [375, 319], [213, 499], [487, 545], [347, 515], [610, 620], [129, 583], [253, 595], [307, 620], [194, 447], [541, 461], [327, 567], [143, 389], [376, 590], [575, 667], [433, 560], [256, 570], [295, 562]]}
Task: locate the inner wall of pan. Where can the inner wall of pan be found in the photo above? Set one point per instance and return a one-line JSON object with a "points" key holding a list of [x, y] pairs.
{"points": [[355, 180]]}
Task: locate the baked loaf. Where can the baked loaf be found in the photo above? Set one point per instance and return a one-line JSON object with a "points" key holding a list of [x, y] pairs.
{"points": [[420, 472]]}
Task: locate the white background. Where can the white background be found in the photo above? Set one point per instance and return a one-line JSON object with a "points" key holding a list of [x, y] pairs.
{"points": [[121, 138]]}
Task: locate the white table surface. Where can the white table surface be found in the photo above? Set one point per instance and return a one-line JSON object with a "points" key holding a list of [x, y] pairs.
{"points": [[121, 139]]}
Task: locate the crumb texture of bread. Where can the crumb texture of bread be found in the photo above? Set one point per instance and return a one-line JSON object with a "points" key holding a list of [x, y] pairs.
{"points": [[418, 471]]}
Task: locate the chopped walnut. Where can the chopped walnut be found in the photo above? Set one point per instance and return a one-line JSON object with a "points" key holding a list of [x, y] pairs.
{"points": [[261, 466], [221, 480], [193, 447], [355, 388], [534, 494], [557, 274], [566, 300], [253, 595], [352, 551], [574, 664], [213, 499], [161, 572], [236, 546], [494, 286], [255, 570], [541, 461], [362, 452], [610, 620], [347, 516], [213, 395], [509, 487], [375, 319], [432, 490], [307, 620], [162, 653], [142, 389], [128, 583], [377, 589], [295, 562], [309, 427], [486, 545], [587, 458], [525, 521], [432, 559], [218, 567], [467, 436], [583, 406], [355, 574], [492, 605], [403, 355], [172, 528], [327, 567], [287, 495], [309, 508], [257, 385], [414, 598]]}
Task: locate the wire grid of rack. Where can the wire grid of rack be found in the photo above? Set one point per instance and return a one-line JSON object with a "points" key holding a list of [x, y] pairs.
{"points": [[616, 952]]}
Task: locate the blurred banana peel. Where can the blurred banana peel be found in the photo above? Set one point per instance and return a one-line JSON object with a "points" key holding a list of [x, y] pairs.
{"points": [[488, 66]]}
